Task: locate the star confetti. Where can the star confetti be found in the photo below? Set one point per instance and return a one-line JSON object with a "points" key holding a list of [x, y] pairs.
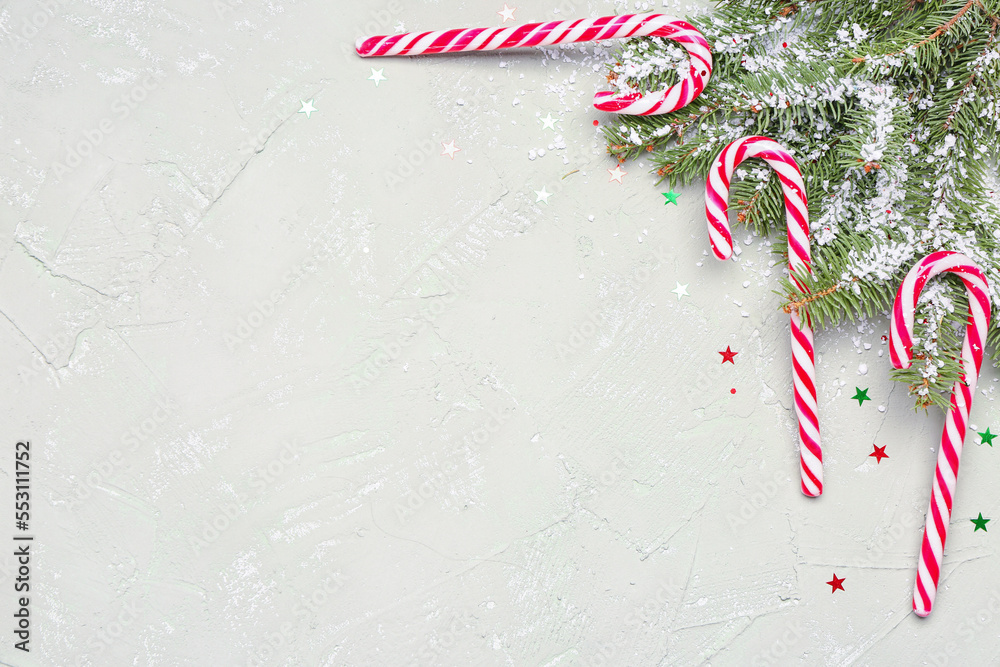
{"points": [[987, 437], [542, 196], [449, 149], [728, 355], [307, 108], [377, 75], [671, 197], [681, 290], [616, 174], [549, 123], [836, 584], [507, 13], [879, 454], [860, 395], [980, 523]]}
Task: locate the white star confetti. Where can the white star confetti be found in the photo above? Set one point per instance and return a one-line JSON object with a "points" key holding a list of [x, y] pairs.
{"points": [[450, 149], [307, 108]]}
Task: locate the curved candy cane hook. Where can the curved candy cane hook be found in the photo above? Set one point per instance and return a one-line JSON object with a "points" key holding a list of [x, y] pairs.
{"points": [[957, 420], [799, 263], [562, 32]]}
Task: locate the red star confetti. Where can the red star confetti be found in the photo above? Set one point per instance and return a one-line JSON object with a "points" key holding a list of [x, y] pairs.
{"points": [[836, 584], [729, 356], [879, 454], [616, 174], [449, 149], [507, 13]]}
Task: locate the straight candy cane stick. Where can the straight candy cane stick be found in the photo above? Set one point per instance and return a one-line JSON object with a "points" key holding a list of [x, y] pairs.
{"points": [[957, 420], [799, 263], [565, 32]]}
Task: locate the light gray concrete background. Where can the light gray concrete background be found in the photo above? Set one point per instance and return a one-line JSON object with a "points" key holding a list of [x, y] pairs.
{"points": [[305, 391]]}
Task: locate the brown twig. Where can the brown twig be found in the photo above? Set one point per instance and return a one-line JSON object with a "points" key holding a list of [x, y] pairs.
{"points": [[796, 305], [871, 164], [747, 205], [959, 47], [679, 128], [942, 29], [995, 22], [612, 75], [924, 400], [669, 169]]}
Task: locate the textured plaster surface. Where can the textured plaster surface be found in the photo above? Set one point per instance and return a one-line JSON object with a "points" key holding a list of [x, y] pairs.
{"points": [[305, 391]]}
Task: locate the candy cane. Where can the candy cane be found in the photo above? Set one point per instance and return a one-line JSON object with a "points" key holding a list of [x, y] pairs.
{"points": [[799, 259], [956, 422], [564, 32]]}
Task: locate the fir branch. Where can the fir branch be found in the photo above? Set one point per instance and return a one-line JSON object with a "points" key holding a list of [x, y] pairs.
{"points": [[892, 112], [942, 29]]}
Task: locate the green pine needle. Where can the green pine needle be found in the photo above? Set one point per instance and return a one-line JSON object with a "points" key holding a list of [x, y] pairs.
{"points": [[892, 110]]}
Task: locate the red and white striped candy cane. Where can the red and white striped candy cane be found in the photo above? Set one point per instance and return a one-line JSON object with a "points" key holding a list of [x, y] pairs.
{"points": [[957, 420], [799, 263], [564, 32]]}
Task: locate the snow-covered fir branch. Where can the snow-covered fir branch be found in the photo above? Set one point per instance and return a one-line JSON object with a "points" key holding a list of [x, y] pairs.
{"points": [[892, 110]]}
